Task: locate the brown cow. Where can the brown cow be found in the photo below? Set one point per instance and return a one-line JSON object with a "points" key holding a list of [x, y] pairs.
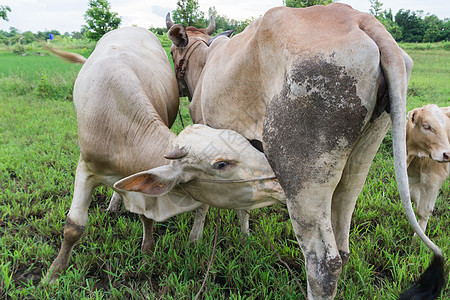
{"points": [[311, 86], [428, 149], [126, 97]]}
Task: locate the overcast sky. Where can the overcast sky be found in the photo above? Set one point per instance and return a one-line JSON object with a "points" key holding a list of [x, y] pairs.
{"points": [[67, 15]]}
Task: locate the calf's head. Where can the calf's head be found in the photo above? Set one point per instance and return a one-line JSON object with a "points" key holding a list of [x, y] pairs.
{"points": [[428, 133], [217, 167]]}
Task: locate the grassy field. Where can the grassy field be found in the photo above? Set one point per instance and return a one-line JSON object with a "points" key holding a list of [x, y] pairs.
{"points": [[38, 157]]}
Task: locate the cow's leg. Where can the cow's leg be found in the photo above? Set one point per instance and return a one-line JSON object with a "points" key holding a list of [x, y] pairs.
{"points": [[115, 203], [309, 182], [310, 213], [352, 181], [76, 219], [199, 223], [148, 242], [309, 131], [244, 216]]}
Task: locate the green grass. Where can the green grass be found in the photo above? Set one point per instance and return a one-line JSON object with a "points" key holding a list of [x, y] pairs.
{"points": [[38, 157]]}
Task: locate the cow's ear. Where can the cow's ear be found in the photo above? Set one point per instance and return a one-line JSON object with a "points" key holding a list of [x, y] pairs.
{"points": [[412, 116], [154, 182], [177, 34]]}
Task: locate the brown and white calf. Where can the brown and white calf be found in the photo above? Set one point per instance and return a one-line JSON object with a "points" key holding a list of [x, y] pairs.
{"points": [[126, 97], [428, 148]]}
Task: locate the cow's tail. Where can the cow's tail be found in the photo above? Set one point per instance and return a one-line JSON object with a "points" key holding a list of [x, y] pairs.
{"points": [[74, 58], [397, 66]]}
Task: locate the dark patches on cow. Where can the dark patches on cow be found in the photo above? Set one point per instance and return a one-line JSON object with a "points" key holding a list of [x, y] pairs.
{"points": [[326, 279], [317, 112], [72, 231], [334, 264], [345, 257]]}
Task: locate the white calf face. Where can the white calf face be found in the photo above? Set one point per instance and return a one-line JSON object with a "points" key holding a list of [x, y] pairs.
{"points": [[429, 133], [217, 167]]}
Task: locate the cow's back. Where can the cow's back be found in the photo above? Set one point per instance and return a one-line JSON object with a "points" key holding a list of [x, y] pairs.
{"points": [[280, 51], [125, 96]]}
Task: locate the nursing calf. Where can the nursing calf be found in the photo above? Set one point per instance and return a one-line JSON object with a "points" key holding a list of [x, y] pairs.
{"points": [[126, 98], [428, 147]]}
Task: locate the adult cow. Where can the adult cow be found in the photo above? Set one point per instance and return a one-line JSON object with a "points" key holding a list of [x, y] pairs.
{"points": [[126, 98], [312, 85], [428, 150]]}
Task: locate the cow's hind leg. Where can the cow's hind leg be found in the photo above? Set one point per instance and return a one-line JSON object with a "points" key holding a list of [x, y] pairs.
{"points": [[76, 219], [309, 131], [352, 181], [309, 182]]}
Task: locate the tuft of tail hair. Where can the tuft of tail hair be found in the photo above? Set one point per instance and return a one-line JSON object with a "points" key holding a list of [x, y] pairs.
{"points": [[430, 284]]}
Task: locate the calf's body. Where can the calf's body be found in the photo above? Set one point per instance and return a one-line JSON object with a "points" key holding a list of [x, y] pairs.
{"points": [[428, 148]]}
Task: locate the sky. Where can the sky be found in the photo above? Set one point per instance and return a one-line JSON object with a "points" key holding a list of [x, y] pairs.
{"points": [[67, 15]]}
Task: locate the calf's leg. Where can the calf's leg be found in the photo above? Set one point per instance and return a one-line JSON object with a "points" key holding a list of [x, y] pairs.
{"points": [[244, 216], [148, 242], [115, 203], [199, 223], [425, 205]]}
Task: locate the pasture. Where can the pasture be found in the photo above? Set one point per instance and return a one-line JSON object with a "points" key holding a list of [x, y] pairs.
{"points": [[38, 157]]}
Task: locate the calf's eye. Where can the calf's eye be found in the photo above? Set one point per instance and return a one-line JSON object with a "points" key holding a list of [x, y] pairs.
{"points": [[220, 165], [426, 126]]}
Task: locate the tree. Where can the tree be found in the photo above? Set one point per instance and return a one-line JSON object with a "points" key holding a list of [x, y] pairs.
{"points": [[4, 12], [77, 35], [375, 9], [28, 37], [99, 19], [434, 29], [188, 13], [306, 3], [412, 25]]}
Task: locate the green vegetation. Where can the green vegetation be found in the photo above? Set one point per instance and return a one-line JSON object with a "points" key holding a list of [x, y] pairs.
{"points": [[38, 157], [411, 26], [99, 19]]}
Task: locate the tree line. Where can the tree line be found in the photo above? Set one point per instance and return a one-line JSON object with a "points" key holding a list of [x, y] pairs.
{"points": [[404, 26]]}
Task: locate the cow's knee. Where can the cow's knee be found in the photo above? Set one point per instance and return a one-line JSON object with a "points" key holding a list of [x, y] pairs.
{"points": [[72, 231]]}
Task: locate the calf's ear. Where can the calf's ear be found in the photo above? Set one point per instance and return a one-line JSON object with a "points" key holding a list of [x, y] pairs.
{"points": [[412, 116], [154, 182], [177, 34]]}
